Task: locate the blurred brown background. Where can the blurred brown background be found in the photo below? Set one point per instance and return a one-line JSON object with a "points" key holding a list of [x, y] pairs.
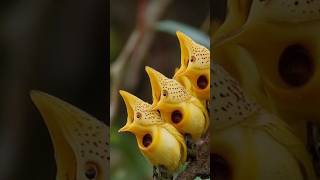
{"points": [[58, 47]]}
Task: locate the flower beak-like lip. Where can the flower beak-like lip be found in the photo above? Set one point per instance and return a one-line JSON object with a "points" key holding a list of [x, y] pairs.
{"points": [[134, 128], [125, 128], [185, 45], [65, 122], [58, 120], [155, 78], [130, 101]]}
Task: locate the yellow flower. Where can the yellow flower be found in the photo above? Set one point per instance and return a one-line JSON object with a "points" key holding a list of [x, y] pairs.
{"points": [[280, 41], [159, 141], [248, 142], [177, 106], [194, 71], [80, 141]]}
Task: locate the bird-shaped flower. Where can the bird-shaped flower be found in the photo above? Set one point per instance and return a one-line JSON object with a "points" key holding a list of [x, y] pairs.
{"points": [[282, 40], [232, 56], [194, 71], [248, 142], [177, 106], [80, 141], [158, 141]]}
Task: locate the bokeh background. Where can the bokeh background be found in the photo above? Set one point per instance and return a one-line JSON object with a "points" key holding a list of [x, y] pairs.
{"points": [[142, 33], [58, 47]]}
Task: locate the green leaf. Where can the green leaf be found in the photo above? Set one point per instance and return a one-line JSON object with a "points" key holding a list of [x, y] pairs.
{"points": [[171, 27]]}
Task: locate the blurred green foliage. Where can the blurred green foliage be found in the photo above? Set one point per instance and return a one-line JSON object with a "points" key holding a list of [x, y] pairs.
{"points": [[126, 157]]}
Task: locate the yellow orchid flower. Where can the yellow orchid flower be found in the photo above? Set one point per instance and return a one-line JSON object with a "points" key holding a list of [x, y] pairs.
{"points": [[194, 72], [158, 141], [80, 141], [177, 106], [282, 40], [248, 142]]}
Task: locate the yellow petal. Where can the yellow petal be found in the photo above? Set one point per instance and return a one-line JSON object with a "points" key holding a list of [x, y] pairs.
{"points": [[131, 102], [155, 80], [124, 128], [185, 45], [164, 150], [74, 134]]}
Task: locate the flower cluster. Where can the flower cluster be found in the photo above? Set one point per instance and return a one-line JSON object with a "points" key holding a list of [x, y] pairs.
{"points": [[178, 115]]}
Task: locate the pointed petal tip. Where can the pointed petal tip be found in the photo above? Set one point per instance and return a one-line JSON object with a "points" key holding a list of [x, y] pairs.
{"points": [[147, 67], [33, 95], [152, 73], [181, 35], [36, 94], [120, 130], [125, 128], [122, 92], [126, 95], [149, 70]]}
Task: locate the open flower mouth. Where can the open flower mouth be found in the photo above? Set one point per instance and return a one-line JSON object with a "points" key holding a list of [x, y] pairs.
{"points": [[296, 65], [176, 116], [202, 82], [146, 140], [91, 170], [220, 168]]}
